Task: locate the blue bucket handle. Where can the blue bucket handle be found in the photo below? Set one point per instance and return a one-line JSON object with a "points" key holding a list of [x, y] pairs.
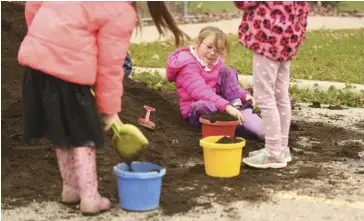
{"points": [[122, 170]]}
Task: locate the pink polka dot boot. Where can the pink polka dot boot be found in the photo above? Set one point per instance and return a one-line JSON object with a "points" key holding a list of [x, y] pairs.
{"points": [[85, 166], [70, 190]]}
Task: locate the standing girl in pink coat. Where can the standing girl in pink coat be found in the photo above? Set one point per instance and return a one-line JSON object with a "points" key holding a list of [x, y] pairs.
{"points": [[204, 85], [69, 47], [273, 31]]}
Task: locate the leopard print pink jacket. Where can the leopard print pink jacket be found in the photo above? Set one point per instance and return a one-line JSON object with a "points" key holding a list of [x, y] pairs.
{"points": [[273, 29]]}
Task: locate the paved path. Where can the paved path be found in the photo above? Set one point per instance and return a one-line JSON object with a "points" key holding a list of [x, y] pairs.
{"points": [[284, 207], [150, 33]]}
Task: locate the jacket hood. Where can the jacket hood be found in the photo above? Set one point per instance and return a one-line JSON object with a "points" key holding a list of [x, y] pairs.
{"points": [[176, 61]]}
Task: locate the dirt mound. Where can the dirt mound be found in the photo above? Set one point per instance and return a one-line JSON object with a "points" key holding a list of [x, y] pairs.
{"points": [[31, 173], [13, 29]]}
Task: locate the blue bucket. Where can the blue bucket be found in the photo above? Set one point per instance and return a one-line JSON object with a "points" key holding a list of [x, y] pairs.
{"points": [[140, 188]]}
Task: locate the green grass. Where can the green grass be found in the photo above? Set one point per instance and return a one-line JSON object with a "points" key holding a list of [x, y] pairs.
{"points": [[206, 6], [153, 80], [332, 97], [228, 6], [351, 6], [333, 55]]}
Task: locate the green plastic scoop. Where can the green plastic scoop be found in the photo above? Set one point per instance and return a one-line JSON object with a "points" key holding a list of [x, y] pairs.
{"points": [[127, 140]]}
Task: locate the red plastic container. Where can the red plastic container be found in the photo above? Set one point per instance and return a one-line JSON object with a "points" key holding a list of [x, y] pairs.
{"points": [[218, 128]]}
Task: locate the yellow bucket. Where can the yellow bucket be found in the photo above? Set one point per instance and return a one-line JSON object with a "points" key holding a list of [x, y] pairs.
{"points": [[222, 160]]}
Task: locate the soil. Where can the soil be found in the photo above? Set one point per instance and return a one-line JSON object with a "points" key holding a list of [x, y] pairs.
{"points": [[335, 107], [315, 105], [218, 116], [350, 150], [360, 124], [30, 173], [228, 140]]}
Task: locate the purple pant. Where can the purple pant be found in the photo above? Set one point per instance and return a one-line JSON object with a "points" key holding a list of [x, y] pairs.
{"points": [[227, 86]]}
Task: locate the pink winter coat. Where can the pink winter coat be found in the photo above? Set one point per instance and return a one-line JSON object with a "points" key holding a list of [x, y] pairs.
{"points": [[193, 83], [274, 29], [81, 42]]}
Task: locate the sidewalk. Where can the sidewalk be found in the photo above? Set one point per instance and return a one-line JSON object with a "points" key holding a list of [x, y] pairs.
{"points": [[150, 33], [246, 80]]}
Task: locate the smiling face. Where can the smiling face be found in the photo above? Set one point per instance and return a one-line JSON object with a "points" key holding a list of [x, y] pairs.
{"points": [[211, 44], [206, 50]]}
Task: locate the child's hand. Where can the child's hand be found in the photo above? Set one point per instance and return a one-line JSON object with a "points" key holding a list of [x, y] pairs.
{"points": [[250, 99], [109, 120], [235, 113]]}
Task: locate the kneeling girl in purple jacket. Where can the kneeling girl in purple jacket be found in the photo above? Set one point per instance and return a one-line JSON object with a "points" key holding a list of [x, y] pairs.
{"points": [[205, 85]]}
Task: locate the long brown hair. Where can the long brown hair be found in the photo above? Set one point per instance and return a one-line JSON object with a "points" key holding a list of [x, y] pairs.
{"points": [[163, 20]]}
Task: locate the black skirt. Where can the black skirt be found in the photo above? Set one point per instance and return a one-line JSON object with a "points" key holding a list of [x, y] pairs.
{"points": [[65, 113]]}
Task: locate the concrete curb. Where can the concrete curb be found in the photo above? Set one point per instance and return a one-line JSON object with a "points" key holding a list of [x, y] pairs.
{"points": [[247, 80]]}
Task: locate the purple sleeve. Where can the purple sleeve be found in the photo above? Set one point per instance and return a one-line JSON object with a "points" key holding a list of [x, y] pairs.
{"points": [[191, 80], [243, 94]]}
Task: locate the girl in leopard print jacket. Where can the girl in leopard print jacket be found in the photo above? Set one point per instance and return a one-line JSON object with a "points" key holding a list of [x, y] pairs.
{"points": [[273, 31]]}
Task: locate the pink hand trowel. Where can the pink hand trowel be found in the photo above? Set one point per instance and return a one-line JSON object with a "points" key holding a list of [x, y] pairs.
{"points": [[145, 122]]}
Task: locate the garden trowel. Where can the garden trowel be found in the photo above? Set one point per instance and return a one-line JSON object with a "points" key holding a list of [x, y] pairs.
{"points": [[127, 140]]}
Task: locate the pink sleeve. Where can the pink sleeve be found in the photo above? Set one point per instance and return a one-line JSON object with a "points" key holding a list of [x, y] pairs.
{"points": [[113, 41], [31, 8], [196, 86], [245, 5]]}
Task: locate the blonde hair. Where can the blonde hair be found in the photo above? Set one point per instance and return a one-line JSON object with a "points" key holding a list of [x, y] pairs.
{"points": [[221, 41]]}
